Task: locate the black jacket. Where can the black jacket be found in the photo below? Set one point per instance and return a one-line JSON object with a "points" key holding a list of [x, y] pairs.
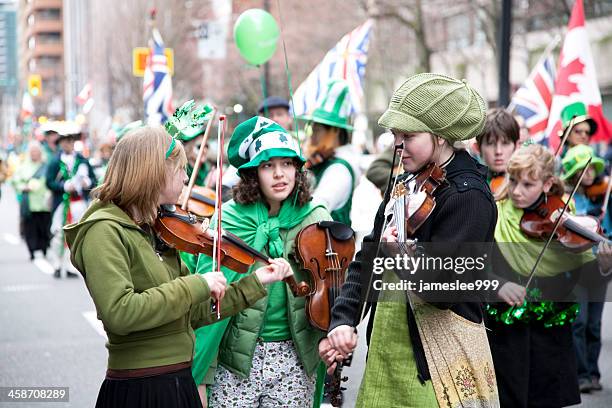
{"points": [[465, 212]]}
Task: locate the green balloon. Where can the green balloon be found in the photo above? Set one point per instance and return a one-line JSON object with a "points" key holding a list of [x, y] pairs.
{"points": [[256, 35]]}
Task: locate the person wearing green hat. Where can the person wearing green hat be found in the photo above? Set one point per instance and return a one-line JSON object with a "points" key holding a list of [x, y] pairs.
{"points": [[413, 353], [144, 295], [70, 177], [587, 327], [330, 156], [267, 355], [188, 125], [578, 126]]}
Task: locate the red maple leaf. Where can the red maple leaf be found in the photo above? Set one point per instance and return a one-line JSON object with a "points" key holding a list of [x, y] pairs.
{"points": [[564, 85]]}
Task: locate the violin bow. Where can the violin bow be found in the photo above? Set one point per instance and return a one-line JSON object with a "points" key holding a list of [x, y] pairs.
{"points": [[391, 183], [216, 258], [604, 207], [198, 163], [557, 223]]}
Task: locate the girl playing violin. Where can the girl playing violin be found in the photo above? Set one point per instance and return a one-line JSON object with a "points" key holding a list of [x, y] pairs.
{"points": [[427, 114], [145, 297], [587, 327], [531, 341], [267, 355]]}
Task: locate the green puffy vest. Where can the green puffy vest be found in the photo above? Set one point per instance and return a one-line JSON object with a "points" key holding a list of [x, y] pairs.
{"points": [[240, 339]]}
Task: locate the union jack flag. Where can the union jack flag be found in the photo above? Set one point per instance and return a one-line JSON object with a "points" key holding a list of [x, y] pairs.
{"points": [[533, 99], [157, 84], [347, 60]]}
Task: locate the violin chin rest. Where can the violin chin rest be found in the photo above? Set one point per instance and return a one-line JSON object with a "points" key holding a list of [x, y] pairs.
{"points": [[338, 230]]}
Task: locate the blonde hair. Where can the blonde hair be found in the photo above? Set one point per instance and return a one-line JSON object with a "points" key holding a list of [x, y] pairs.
{"points": [[537, 162], [136, 172]]}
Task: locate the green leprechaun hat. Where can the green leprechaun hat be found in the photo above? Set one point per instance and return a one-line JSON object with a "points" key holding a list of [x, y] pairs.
{"points": [[335, 107], [576, 158], [259, 139], [188, 121], [573, 114]]}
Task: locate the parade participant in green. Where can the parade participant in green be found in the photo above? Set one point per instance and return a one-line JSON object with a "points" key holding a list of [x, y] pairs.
{"points": [[425, 354], [147, 300], [578, 126], [331, 157], [34, 200], [271, 205], [587, 327], [70, 178], [531, 335]]}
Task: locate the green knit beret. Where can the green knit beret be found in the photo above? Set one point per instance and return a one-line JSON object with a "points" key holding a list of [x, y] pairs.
{"points": [[436, 104]]}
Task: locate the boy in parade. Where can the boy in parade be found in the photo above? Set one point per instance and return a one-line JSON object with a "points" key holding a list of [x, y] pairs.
{"points": [[498, 140]]}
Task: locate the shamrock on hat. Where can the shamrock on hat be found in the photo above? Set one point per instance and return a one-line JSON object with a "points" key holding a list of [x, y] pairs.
{"points": [[188, 121], [259, 139], [577, 157], [335, 107], [574, 114]]}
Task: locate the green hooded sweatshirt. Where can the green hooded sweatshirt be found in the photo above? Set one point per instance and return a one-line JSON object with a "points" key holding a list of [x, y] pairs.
{"points": [[147, 300]]}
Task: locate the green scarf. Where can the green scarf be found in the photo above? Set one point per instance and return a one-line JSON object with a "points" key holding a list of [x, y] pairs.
{"points": [[521, 251], [253, 225]]}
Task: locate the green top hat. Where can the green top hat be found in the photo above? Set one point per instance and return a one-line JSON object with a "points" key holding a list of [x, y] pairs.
{"points": [[335, 107], [576, 158], [188, 121], [576, 113], [130, 126], [259, 139]]}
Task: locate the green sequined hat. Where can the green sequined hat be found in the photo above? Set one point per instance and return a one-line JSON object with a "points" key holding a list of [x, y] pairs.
{"points": [[188, 121], [259, 139], [576, 158], [335, 107]]}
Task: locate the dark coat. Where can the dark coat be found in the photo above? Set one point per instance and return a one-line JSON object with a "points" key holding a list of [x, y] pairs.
{"points": [[465, 212]]}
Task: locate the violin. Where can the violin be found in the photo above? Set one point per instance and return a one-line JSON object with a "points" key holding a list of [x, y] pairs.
{"points": [[181, 230], [325, 250], [201, 201], [414, 201], [576, 233], [598, 189], [496, 182]]}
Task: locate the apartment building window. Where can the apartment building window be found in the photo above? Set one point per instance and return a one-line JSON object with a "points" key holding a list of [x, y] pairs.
{"points": [[49, 14], [48, 62], [31, 19], [32, 43], [49, 38], [32, 65]]}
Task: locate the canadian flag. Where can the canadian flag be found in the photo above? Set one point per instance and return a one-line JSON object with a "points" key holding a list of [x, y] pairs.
{"points": [[576, 81], [84, 98]]}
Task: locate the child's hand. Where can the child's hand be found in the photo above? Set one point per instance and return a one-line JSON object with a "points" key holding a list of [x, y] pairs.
{"points": [[512, 293]]}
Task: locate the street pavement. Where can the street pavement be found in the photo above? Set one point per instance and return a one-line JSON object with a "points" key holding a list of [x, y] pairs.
{"points": [[49, 335]]}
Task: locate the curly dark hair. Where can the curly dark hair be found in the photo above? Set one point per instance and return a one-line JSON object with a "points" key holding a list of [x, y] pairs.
{"points": [[247, 191]]}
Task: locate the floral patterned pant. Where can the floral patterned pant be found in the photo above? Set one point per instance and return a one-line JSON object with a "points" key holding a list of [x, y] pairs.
{"points": [[277, 379]]}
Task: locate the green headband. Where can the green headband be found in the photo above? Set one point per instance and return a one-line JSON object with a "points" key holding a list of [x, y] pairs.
{"points": [[171, 147]]}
